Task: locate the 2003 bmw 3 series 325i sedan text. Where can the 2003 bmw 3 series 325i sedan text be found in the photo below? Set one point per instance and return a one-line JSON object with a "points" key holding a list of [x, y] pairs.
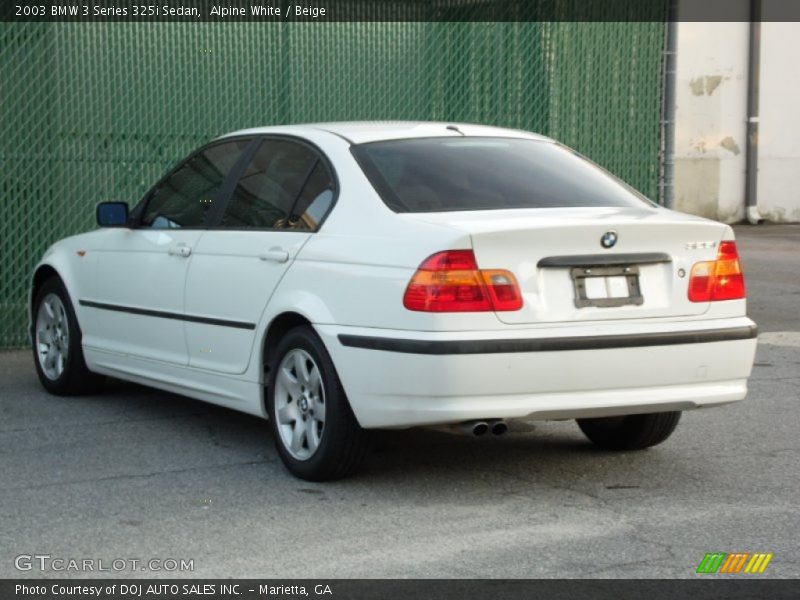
{"points": [[343, 277]]}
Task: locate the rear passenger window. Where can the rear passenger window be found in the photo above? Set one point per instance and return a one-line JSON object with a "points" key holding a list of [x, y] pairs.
{"points": [[315, 200], [265, 194]]}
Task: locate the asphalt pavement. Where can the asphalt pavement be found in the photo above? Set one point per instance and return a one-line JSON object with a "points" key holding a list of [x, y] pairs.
{"points": [[138, 474]]}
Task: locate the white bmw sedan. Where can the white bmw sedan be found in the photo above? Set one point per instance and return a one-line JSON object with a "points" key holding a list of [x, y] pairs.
{"points": [[338, 278]]}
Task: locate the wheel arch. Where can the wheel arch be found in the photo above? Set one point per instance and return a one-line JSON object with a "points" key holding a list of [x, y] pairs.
{"points": [[289, 307], [277, 328]]}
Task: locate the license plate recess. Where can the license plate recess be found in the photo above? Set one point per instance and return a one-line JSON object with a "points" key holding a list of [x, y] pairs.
{"points": [[582, 275]]}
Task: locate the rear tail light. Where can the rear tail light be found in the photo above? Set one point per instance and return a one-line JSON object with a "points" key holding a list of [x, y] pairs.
{"points": [[720, 279], [450, 281]]}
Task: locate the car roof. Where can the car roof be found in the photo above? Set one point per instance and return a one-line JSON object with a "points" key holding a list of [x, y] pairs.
{"points": [[360, 132]]}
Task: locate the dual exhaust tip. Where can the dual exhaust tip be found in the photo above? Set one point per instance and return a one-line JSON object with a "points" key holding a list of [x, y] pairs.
{"points": [[481, 427]]}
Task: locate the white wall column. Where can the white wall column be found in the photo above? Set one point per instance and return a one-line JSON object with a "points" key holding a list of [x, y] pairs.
{"points": [[779, 136], [711, 99]]}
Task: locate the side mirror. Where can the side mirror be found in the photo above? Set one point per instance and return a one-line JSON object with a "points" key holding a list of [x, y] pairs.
{"points": [[112, 214]]}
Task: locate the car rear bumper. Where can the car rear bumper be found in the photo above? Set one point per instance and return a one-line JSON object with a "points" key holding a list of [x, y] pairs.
{"points": [[404, 378]]}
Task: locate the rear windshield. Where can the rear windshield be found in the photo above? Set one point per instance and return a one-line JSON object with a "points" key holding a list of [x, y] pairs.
{"points": [[471, 173]]}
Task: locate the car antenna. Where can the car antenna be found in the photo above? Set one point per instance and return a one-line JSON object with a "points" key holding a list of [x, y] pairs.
{"points": [[456, 129]]}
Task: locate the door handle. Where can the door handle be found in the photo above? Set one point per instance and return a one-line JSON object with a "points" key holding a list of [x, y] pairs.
{"points": [[180, 250], [276, 254]]}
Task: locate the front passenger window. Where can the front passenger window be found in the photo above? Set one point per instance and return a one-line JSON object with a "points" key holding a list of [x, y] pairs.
{"points": [[186, 196]]}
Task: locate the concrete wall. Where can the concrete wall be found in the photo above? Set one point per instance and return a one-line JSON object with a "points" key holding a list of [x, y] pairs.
{"points": [[779, 139], [711, 112], [710, 125]]}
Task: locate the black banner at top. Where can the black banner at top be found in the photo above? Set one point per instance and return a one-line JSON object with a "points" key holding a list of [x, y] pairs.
{"points": [[189, 11]]}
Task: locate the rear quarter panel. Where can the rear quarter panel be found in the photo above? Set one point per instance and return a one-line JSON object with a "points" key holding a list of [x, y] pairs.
{"points": [[355, 270]]}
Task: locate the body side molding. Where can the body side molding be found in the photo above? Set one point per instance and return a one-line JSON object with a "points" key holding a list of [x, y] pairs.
{"points": [[167, 315]]}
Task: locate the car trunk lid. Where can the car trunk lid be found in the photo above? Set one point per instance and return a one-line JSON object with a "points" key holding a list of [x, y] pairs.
{"points": [[566, 273]]}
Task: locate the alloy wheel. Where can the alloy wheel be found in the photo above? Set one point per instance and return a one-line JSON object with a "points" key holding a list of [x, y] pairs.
{"points": [[300, 404], [52, 336]]}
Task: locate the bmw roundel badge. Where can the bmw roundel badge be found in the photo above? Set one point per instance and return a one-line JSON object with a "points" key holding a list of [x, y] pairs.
{"points": [[609, 239]]}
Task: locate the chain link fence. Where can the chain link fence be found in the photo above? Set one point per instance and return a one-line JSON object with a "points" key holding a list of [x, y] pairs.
{"points": [[92, 112]]}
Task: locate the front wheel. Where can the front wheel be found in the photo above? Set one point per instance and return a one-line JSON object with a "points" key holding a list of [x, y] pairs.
{"points": [[316, 433], [631, 432], [57, 351]]}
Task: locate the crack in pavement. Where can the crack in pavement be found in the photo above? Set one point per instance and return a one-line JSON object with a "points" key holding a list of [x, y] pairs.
{"points": [[99, 423], [140, 475]]}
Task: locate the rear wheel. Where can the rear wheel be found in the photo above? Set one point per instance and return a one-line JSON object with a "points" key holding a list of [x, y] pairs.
{"points": [[57, 351], [631, 432], [316, 433]]}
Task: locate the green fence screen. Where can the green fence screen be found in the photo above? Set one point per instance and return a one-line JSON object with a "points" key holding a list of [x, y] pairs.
{"points": [[91, 112]]}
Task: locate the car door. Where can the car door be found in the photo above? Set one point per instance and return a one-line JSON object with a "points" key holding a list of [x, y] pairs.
{"points": [[138, 296], [281, 197]]}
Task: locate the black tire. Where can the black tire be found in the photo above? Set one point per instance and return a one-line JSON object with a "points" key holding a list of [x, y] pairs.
{"points": [[343, 444], [631, 432], [75, 378]]}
